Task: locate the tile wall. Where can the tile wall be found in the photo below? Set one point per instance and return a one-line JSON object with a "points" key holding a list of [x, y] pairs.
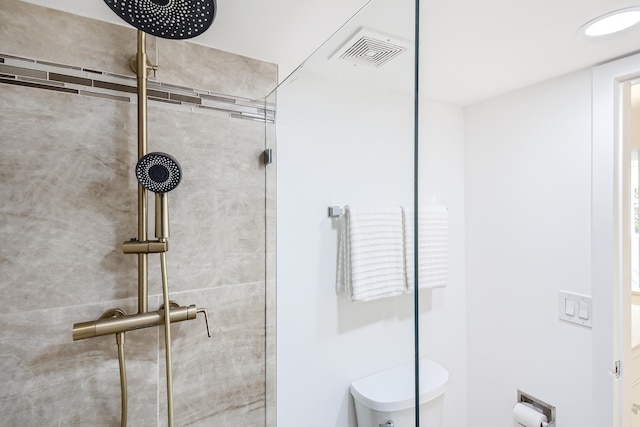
{"points": [[67, 153]]}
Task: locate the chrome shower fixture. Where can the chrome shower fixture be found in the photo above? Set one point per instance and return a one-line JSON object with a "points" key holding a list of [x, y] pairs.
{"points": [[169, 19], [158, 172]]}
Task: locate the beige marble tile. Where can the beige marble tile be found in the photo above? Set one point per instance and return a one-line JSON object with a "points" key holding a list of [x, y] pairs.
{"points": [[69, 39], [192, 65], [48, 379], [217, 213], [271, 202], [219, 380], [271, 288], [68, 199], [71, 198], [49, 35], [270, 354], [271, 283]]}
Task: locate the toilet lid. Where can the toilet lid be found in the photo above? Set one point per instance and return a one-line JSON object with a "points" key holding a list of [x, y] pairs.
{"points": [[393, 389]]}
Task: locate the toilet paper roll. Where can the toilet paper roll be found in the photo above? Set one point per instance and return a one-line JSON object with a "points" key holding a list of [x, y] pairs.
{"points": [[525, 415]]}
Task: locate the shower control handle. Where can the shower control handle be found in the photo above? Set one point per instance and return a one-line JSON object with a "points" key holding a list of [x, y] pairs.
{"points": [[107, 326], [206, 319], [173, 304]]}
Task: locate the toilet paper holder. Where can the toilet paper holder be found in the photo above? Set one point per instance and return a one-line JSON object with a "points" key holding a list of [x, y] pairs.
{"points": [[547, 409]]}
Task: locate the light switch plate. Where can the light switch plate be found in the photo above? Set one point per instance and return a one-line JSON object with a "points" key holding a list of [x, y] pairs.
{"points": [[581, 314], [569, 307]]}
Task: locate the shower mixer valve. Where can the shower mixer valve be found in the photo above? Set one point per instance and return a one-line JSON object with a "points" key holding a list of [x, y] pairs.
{"points": [[123, 323]]}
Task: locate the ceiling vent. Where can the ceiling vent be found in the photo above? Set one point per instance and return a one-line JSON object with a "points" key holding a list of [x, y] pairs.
{"points": [[369, 48]]}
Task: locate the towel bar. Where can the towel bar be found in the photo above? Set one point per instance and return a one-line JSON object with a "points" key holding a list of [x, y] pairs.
{"points": [[335, 211]]}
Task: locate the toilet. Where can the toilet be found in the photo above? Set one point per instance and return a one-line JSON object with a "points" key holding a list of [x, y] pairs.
{"points": [[387, 398]]}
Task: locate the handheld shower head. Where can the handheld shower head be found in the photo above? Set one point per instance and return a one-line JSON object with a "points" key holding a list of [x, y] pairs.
{"points": [[158, 172]]}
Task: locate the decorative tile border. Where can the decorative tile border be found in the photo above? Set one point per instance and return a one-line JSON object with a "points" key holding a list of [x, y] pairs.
{"points": [[87, 82]]}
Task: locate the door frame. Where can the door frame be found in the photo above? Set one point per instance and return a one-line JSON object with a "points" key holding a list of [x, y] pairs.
{"points": [[606, 223]]}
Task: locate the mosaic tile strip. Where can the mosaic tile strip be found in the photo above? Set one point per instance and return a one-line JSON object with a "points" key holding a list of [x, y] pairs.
{"points": [[88, 82]]}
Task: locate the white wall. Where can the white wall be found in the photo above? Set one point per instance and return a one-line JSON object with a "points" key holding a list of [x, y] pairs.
{"points": [[337, 145], [605, 242], [527, 201], [443, 311], [515, 175], [343, 145]]}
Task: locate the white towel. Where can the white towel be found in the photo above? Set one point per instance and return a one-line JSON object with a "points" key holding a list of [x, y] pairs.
{"points": [[371, 261], [433, 248]]}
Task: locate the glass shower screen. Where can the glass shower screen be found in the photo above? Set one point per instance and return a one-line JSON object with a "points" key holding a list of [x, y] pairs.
{"points": [[343, 143]]}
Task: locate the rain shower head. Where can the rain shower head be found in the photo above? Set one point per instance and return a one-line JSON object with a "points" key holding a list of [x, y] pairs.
{"points": [[169, 19], [158, 172]]}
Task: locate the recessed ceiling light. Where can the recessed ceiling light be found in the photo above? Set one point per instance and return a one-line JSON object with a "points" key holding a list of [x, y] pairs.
{"points": [[612, 22]]}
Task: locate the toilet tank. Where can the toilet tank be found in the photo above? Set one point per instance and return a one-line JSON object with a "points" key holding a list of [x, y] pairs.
{"points": [[389, 396]]}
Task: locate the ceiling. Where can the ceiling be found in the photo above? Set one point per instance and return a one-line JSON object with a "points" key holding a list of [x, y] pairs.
{"points": [[470, 50]]}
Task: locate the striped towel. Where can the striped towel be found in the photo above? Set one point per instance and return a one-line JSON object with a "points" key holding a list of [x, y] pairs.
{"points": [[371, 261], [433, 248]]}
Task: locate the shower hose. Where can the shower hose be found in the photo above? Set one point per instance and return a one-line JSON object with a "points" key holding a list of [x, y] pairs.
{"points": [[167, 336], [118, 312], [120, 339], [123, 379]]}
